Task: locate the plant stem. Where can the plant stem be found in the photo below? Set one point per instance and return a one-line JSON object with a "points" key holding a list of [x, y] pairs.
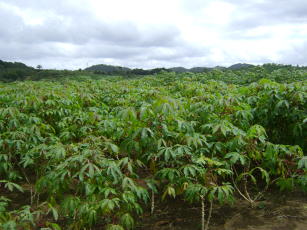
{"points": [[251, 201], [238, 190], [152, 202], [209, 215], [202, 213]]}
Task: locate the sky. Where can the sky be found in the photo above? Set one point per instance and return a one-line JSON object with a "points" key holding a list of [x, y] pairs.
{"points": [[73, 34]]}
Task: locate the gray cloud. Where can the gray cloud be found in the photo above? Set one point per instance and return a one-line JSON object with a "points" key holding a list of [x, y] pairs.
{"points": [[297, 54], [70, 34], [252, 14], [81, 30]]}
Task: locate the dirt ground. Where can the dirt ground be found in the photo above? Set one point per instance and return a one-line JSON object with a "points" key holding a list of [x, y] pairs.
{"points": [[277, 212]]}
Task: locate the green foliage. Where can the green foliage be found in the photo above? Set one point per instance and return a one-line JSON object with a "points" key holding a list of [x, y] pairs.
{"points": [[88, 153], [302, 164]]}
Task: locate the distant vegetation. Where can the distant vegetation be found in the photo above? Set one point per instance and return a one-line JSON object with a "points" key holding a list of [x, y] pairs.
{"points": [[10, 71], [247, 73]]}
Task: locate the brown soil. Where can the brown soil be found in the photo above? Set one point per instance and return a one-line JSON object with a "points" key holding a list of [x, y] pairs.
{"points": [[275, 213]]}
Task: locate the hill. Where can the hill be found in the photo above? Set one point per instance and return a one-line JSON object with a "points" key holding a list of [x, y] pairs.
{"points": [[179, 69], [107, 68], [12, 71], [110, 69], [240, 66]]}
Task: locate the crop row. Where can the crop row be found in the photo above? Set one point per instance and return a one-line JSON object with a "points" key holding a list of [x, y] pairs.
{"points": [[101, 152]]}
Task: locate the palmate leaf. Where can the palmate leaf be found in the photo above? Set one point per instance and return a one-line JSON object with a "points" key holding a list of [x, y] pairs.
{"points": [[234, 157], [141, 193], [127, 221], [106, 191], [193, 192], [111, 147], [190, 170], [246, 174], [90, 188], [282, 104], [265, 175], [113, 171], [169, 191], [257, 131], [302, 163], [128, 114], [54, 212], [146, 133], [129, 197], [128, 183], [167, 153], [194, 139], [114, 227], [128, 163], [152, 184], [182, 150], [222, 172], [56, 152], [27, 160], [26, 215], [9, 225], [3, 206], [66, 135], [244, 115], [221, 193], [70, 204], [90, 169], [91, 216], [53, 226], [168, 173], [208, 161], [108, 205], [145, 112], [11, 186]]}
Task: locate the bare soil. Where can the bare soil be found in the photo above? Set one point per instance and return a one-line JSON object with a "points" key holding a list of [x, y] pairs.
{"points": [[277, 212]]}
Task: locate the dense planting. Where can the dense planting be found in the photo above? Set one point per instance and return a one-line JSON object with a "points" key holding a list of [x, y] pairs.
{"points": [[80, 154]]}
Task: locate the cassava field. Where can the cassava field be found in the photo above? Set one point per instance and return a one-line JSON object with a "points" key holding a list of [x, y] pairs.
{"points": [[168, 151]]}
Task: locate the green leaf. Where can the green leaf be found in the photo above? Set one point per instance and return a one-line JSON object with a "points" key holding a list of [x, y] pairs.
{"points": [[54, 213], [193, 192], [127, 221], [234, 157], [302, 163], [11, 186], [168, 173], [222, 193], [190, 170], [114, 227], [285, 184], [265, 175], [54, 226], [108, 205], [170, 191]]}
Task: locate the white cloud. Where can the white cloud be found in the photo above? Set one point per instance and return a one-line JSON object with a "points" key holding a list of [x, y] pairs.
{"points": [[152, 33]]}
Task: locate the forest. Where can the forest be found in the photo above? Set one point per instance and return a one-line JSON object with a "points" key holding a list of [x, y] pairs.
{"points": [[17, 71], [84, 150]]}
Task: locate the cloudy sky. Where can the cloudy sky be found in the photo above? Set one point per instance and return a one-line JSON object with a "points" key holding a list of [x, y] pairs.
{"points": [[74, 34]]}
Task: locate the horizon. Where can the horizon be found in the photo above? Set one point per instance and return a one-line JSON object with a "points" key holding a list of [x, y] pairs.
{"points": [[152, 34], [158, 67]]}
